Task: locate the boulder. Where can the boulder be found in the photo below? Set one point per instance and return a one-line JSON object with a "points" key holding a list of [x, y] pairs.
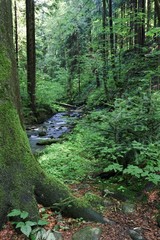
{"points": [[128, 207], [88, 233], [136, 235]]}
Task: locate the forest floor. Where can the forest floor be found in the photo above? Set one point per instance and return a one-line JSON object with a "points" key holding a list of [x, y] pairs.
{"points": [[142, 218]]}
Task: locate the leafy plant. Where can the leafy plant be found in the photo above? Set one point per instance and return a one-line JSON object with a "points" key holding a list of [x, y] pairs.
{"points": [[25, 226], [66, 161]]}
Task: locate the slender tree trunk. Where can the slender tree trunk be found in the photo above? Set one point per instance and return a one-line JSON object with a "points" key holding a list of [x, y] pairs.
{"points": [[104, 53], [112, 47], [122, 16], [136, 23], [142, 24], [16, 30], [157, 9], [31, 57], [131, 39], [149, 5], [155, 15], [22, 181]]}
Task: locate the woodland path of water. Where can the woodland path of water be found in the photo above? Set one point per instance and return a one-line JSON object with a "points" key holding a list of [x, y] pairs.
{"points": [[52, 129]]}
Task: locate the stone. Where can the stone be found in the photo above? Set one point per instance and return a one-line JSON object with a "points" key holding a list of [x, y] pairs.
{"points": [[88, 233], [42, 131], [108, 203], [48, 141], [128, 207], [135, 235]]}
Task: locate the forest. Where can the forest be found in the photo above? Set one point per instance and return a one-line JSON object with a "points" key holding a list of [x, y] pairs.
{"points": [[80, 119]]}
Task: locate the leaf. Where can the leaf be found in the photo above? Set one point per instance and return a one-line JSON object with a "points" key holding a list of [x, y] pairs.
{"points": [[50, 236], [41, 234], [33, 237], [24, 214], [14, 212], [30, 223], [115, 166], [26, 230], [20, 224], [35, 230], [133, 170], [42, 222]]}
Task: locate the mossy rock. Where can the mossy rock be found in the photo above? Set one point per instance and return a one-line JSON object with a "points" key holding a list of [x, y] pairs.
{"points": [[88, 233], [49, 141], [94, 200]]}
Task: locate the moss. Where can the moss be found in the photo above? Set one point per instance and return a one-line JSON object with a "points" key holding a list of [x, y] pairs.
{"points": [[17, 166], [24, 180], [95, 200], [5, 71], [13, 139]]}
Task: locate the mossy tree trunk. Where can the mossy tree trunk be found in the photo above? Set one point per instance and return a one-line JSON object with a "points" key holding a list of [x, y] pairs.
{"points": [[31, 55], [22, 181]]}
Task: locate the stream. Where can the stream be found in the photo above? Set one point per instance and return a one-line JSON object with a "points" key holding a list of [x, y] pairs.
{"points": [[52, 129]]}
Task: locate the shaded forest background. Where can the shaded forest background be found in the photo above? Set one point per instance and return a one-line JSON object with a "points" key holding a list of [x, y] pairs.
{"points": [[104, 56]]}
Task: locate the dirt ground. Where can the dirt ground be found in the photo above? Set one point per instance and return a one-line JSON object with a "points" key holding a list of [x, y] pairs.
{"points": [[143, 218]]}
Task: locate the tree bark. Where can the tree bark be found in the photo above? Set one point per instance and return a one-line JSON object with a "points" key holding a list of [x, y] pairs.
{"points": [[157, 8], [16, 30], [112, 41], [149, 8], [31, 55], [104, 45], [22, 181]]}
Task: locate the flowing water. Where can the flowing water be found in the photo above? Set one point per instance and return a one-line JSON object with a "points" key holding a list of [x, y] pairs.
{"points": [[53, 128]]}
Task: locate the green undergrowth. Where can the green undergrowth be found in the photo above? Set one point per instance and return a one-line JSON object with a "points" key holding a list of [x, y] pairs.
{"points": [[125, 141], [66, 161]]}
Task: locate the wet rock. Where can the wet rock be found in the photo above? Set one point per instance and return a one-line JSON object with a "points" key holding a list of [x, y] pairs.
{"points": [[128, 207], [88, 233], [48, 141], [136, 235], [42, 131]]}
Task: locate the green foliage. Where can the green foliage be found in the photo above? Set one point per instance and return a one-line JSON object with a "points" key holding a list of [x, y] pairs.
{"points": [[66, 161], [48, 90], [25, 226], [125, 138], [96, 98], [42, 234], [125, 135]]}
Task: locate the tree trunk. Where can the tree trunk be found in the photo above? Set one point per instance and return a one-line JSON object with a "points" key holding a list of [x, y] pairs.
{"points": [[157, 9], [141, 25], [112, 44], [22, 181], [16, 30], [31, 58], [104, 45], [149, 8]]}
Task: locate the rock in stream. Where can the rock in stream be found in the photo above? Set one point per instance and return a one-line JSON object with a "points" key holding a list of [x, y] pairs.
{"points": [[52, 129]]}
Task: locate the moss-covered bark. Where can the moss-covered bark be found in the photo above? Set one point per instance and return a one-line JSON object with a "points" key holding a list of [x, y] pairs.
{"points": [[22, 181]]}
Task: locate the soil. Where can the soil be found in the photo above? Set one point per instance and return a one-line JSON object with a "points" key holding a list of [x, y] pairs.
{"points": [[143, 218]]}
